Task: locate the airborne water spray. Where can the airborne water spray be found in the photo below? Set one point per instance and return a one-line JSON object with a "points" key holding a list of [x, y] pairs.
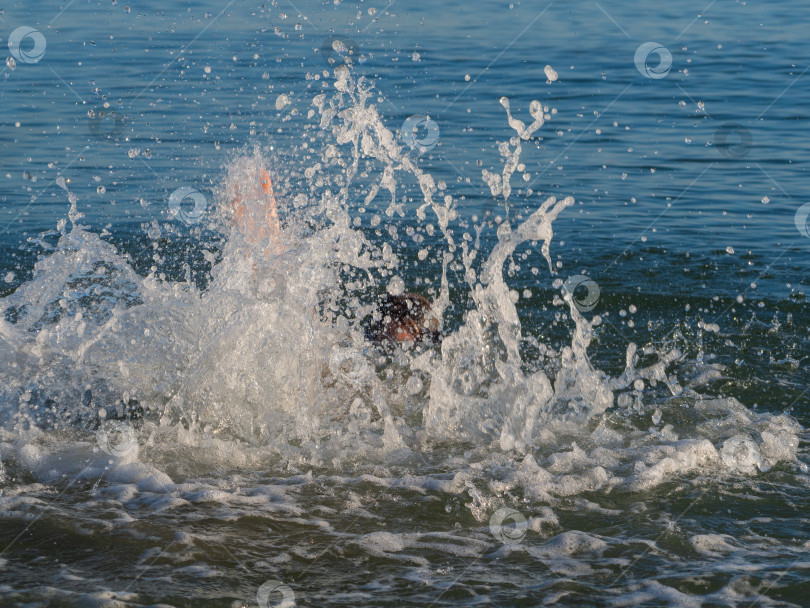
{"points": [[268, 365]]}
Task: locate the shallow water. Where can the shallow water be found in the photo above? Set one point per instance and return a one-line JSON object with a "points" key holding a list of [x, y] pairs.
{"points": [[616, 415]]}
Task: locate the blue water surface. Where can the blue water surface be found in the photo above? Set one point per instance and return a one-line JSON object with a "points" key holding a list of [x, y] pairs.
{"points": [[688, 164]]}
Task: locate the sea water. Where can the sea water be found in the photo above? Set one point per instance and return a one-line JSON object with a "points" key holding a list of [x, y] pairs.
{"points": [[615, 415]]}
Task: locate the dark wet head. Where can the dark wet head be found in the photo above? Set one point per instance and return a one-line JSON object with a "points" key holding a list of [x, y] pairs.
{"points": [[402, 319]]}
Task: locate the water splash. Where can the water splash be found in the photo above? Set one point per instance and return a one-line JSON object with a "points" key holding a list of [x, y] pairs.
{"points": [[268, 365]]}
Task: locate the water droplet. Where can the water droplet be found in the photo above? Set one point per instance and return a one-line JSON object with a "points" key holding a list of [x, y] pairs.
{"points": [[282, 101], [396, 286]]}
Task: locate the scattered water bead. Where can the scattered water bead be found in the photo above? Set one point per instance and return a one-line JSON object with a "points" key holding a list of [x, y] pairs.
{"points": [[740, 453], [550, 73], [101, 189], [765, 200], [729, 249], [413, 385], [396, 286], [282, 101], [710, 327], [632, 308], [154, 231], [11, 63]]}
